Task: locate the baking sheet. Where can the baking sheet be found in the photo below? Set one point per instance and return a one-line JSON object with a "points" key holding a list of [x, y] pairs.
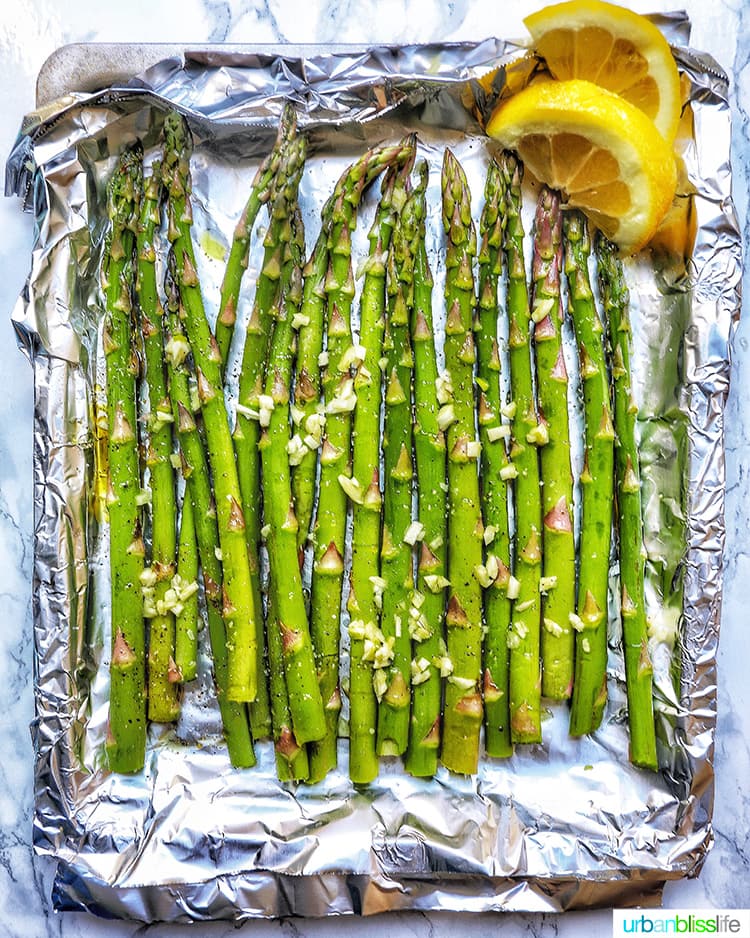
{"points": [[568, 824]]}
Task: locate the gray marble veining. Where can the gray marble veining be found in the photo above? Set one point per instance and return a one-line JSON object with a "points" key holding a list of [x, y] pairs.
{"points": [[27, 36]]}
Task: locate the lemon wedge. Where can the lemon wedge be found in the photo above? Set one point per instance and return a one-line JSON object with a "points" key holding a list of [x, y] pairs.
{"points": [[620, 50], [603, 153]]}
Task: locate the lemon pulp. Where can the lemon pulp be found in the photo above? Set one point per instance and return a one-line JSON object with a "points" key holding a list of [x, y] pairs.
{"points": [[603, 153]]}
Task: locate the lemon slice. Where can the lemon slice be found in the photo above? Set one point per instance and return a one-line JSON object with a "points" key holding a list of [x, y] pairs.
{"points": [[615, 48], [603, 153]]}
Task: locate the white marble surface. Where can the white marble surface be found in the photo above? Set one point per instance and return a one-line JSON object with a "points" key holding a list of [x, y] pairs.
{"points": [[29, 32]]}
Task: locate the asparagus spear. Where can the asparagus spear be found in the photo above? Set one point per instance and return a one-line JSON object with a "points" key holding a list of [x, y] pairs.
{"points": [[429, 453], [126, 737], [322, 753], [364, 597], [393, 669], [260, 193], [597, 479], [239, 607], [163, 698], [638, 667], [338, 399], [493, 435], [463, 701], [307, 390], [198, 491], [305, 704], [524, 638], [558, 560], [187, 618]]}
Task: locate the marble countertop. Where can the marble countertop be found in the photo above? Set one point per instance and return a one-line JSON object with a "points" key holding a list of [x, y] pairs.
{"points": [[28, 34]]}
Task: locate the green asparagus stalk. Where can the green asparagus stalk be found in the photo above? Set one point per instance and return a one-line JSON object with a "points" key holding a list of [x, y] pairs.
{"points": [[200, 497], [308, 420], [292, 762], [163, 675], [239, 606], [493, 434], [558, 560], [187, 617], [429, 452], [260, 193], [463, 700], [305, 703], [597, 481], [126, 737], [524, 638], [638, 668], [338, 399], [392, 673], [309, 423], [364, 595]]}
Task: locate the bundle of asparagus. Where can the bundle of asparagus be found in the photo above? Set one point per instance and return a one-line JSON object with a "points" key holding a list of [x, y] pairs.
{"points": [[462, 599]]}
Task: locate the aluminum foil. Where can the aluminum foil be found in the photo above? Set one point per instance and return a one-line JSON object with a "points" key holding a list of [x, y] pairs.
{"points": [[563, 825]]}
